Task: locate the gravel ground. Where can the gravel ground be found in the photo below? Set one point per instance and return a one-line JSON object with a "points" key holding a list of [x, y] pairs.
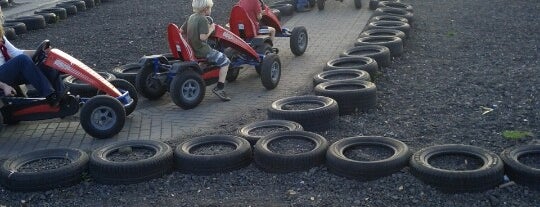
{"points": [[462, 58]]}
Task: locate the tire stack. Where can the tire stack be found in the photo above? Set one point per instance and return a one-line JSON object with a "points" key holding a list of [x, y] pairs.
{"points": [[43, 17]]}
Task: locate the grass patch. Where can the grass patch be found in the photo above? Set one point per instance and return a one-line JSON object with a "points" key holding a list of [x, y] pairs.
{"points": [[516, 134]]}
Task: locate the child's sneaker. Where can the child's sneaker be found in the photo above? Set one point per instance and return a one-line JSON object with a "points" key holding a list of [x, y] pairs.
{"points": [[221, 94]]}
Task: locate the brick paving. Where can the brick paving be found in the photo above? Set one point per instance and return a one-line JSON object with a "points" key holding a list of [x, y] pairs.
{"points": [[330, 31]]}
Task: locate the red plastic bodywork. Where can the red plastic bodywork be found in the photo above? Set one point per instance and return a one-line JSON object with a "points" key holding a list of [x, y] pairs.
{"points": [[181, 49], [65, 63], [43, 108], [240, 17]]}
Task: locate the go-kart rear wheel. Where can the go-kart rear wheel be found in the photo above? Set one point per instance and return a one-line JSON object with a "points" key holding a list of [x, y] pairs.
{"points": [[187, 89], [320, 4], [102, 116], [232, 73], [358, 4], [148, 85], [299, 40], [126, 86], [271, 71], [263, 49]]}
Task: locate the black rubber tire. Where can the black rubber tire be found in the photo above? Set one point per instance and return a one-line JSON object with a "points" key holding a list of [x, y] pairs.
{"points": [[33, 22], [271, 161], [394, 44], [519, 172], [81, 5], [187, 96], [270, 71], [89, 4], [339, 75], [285, 9], [262, 49], [186, 161], [397, 5], [148, 87], [50, 18], [489, 175], [70, 8], [63, 176], [4, 3], [311, 119], [388, 18], [97, 2], [352, 96], [359, 63], [10, 34], [379, 53], [60, 12], [394, 11], [127, 72], [320, 4], [299, 40], [383, 32], [401, 26], [127, 86], [83, 89], [358, 4], [232, 72], [19, 27], [109, 108], [245, 131], [106, 171], [373, 4], [339, 164]]}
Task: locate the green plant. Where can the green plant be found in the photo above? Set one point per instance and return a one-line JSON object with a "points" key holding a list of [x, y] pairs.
{"points": [[515, 134], [451, 33]]}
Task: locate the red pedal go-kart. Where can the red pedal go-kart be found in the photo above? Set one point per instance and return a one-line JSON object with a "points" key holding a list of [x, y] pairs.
{"points": [[186, 77], [243, 25], [101, 116]]}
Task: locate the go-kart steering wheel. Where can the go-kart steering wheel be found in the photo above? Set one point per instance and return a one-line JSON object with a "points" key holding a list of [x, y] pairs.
{"points": [[40, 55]]}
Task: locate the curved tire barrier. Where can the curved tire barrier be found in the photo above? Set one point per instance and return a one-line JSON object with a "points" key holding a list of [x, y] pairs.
{"points": [[351, 95], [70, 174], [78, 87], [347, 166], [359, 63], [340, 75], [388, 18], [33, 22], [186, 161], [247, 131], [517, 170], [19, 27], [50, 18], [60, 12], [401, 26], [89, 4], [10, 34], [70, 8], [320, 113], [272, 161], [488, 175], [108, 171], [127, 72], [384, 33], [81, 5], [379, 53], [397, 5], [394, 44]]}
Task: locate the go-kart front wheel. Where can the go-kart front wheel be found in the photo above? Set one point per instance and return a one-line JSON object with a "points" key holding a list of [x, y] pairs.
{"points": [[299, 40], [187, 89], [102, 116], [270, 71], [124, 85], [148, 84]]}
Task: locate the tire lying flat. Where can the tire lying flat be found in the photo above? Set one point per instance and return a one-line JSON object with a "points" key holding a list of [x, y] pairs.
{"points": [[12, 179], [339, 75], [518, 171], [320, 114], [351, 95], [246, 131]]}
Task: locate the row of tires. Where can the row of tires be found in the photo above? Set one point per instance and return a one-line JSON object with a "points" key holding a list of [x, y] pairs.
{"points": [[43, 17], [136, 161]]}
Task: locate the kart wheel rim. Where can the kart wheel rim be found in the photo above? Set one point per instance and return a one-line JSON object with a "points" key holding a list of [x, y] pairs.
{"points": [[153, 84], [103, 117], [274, 74], [190, 90], [302, 41]]}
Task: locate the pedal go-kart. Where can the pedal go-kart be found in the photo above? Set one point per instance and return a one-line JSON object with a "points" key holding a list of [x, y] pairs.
{"points": [[101, 116], [320, 4], [186, 77], [244, 26]]}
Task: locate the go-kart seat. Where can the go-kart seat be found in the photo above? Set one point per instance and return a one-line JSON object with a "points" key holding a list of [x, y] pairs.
{"points": [[241, 24]]}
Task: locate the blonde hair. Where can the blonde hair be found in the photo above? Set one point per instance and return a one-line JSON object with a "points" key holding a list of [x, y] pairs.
{"points": [[200, 5], [2, 33]]}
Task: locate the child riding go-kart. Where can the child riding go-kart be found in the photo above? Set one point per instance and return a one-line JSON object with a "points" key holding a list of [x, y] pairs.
{"points": [[243, 23], [101, 116], [186, 77]]}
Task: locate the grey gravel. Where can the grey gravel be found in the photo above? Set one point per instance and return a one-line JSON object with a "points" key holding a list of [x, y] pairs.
{"points": [[461, 58]]}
